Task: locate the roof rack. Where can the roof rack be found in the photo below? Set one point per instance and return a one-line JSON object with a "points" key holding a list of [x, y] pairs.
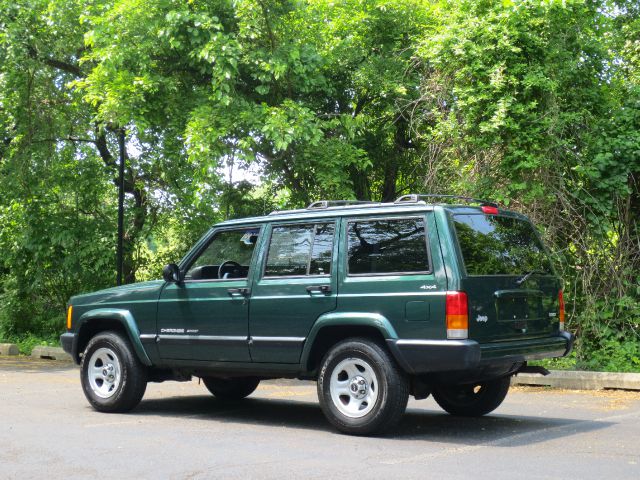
{"points": [[287, 212], [320, 204], [410, 198], [323, 204], [416, 197]]}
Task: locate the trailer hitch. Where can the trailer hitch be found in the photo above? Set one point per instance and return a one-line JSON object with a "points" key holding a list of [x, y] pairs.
{"points": [[533, 369]]}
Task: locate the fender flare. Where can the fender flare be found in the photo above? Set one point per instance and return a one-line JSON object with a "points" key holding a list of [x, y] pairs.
{"points": [[123, 317], [347, 319]]}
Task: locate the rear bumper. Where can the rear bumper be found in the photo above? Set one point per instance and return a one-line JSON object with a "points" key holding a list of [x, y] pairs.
{"points": [[432, 356]]}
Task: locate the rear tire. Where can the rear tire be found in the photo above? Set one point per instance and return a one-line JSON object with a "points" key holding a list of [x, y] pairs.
{"points": [[112, 377], [361, 389], [472, 400], [231, 388]]}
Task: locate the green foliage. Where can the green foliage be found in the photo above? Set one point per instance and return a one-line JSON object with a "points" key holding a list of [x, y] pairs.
{"points": [[610, 338], [26, 343], [534, 104], [563, 363], [612, 355]]}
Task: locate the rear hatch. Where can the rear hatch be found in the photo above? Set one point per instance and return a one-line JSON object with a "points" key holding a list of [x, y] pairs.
{"points": [[511, 288]]}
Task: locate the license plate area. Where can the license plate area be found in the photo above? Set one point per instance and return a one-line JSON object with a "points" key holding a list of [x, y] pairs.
{"points": [[519, 307]]}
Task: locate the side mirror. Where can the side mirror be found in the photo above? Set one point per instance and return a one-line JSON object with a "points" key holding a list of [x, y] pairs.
{"points": [[171, 273]]}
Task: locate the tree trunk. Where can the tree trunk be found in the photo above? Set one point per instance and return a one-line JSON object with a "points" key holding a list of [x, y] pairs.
{"points": [[392, 167], [390, 178], [360, 182], [139, 212]]}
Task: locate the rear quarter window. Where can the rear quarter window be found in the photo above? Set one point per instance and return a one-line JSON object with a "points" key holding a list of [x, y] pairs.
{"points": [[387, 246]]}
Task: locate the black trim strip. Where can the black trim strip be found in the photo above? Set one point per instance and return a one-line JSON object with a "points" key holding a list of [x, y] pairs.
{"points": [[277, 341], [147, 338], [209, 340]]}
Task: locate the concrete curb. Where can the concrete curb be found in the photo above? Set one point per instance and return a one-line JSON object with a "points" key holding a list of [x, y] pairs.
{"points": [[51, 353], [576, 380], [9, 349]]}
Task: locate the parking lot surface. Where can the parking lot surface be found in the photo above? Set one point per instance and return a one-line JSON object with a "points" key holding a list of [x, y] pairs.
{"points": [[179, 431]]}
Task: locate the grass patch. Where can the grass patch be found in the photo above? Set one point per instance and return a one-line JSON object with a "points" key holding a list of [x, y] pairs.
{"points": [[26, 343], [563, 363], [619, 359]]}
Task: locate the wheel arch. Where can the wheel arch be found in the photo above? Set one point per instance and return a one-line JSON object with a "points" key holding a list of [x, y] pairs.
{"points": [[331, 328], [106, 319]]}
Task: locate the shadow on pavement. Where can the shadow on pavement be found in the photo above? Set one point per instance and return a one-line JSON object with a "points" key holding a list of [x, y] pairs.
{"points": [[507, 430]]}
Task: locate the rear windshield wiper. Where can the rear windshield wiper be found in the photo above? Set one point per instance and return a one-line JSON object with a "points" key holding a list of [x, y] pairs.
{"points": [[526, 276]]}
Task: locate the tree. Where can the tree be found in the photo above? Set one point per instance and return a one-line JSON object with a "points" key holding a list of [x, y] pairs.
{"points": [[534, 104]]}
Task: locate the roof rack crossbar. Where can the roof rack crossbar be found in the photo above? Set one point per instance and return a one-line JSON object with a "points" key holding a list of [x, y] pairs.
{"points": [[336, 203], [286, 212], [416, 197]]}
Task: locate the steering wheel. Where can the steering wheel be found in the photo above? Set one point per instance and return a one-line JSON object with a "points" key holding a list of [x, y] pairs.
{"points": [[225, 266]]}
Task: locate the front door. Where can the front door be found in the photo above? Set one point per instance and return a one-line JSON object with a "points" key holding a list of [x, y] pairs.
{"points": [[205, 317], [296, 285]]}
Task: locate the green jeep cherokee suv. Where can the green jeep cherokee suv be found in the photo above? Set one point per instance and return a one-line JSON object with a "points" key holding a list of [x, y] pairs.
{"points": [[374, 301]]}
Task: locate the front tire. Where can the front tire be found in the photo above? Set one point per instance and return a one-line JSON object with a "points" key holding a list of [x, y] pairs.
{"points": [[112, 377], [472, 400], [231, 388], [361, 389]]}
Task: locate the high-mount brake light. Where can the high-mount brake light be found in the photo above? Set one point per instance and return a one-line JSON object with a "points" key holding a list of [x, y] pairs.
{"points": [[561, 312], [457, 315], [489, 210]]}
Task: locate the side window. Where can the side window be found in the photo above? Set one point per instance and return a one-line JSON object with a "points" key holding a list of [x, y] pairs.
{"points": [[289, 251], [227, 256], [387, 246], [322, 250], [300, 250]]}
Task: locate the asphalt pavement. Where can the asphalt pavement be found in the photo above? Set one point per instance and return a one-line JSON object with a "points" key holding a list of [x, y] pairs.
{"points": [[179, 431]]}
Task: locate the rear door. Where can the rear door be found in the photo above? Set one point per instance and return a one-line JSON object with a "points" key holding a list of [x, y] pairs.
{"points": [[295, 284], [510, 284]]}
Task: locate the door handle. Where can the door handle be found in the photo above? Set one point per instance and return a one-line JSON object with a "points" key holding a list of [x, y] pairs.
{"points": [[319, 288], [245, 292]]}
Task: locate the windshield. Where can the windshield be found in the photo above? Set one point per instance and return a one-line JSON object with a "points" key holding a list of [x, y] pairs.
{"points": [[497, 245]]}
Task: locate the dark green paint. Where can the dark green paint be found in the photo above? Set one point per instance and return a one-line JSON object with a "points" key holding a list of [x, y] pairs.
{"points": [[134, 306], [125, 318], [281, 307], [203, 309], [202, 326]]}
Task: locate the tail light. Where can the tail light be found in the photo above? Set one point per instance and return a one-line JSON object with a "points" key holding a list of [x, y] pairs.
{"points": [[457, 314], [561, 313]]}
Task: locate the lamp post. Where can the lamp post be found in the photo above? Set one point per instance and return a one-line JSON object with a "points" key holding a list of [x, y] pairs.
{"points": [[119, 252]]}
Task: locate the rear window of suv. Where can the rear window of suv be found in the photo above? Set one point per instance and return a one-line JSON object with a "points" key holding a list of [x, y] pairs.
{"points": [[497, 245]]}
